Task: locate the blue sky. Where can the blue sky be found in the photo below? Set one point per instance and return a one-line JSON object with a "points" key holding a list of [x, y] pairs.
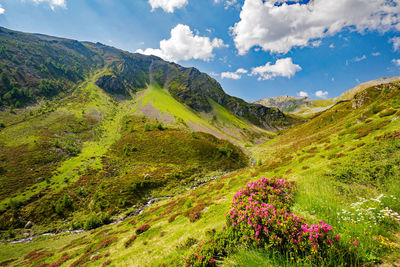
{"points": [[254, 48]]}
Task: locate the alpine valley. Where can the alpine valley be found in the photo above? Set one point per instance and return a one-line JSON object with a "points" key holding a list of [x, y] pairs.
{"points": [[122, 159]]}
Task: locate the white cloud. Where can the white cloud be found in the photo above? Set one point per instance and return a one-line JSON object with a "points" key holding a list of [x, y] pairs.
{"points": [[279, 28], [2, 10], [241, 70], [396, 62], [316, 43], [234, 75], [302, 94], [282, 68], [321, 94], [184, 45], [358, 59], [375, 54], [228, 3], [52, 3], [167, 5], [230, 75], [396, 43], [331, 46]]}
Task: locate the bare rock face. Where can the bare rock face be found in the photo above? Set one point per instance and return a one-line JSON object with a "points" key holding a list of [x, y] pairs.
{"points": [[111, 84], [285, 103]]}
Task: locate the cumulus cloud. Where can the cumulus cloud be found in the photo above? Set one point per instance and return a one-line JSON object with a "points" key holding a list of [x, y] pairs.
{"points": [[167, 5], [282, 68], [53, 3], [331, 46], [234, 75], [184, 45], [280, 27], [321, 94], [375, 54], [396, 62], [302, 94], [396, 43], [2, 10]]}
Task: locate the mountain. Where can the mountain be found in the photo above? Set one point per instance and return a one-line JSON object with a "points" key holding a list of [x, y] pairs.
{"points": [[349, 94], [306, 107], [35, 66], [112, 158], [82, 121], [285, 103]]}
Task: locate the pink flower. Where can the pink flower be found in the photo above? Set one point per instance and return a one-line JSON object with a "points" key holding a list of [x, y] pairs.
{"points": [[212, 260], [337, 237], [355, 243]]}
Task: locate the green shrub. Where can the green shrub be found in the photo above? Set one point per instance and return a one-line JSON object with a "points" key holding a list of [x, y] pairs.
{"points": [[225, 150], [374, 109], [189, 242], [15, 204], [93, 222], [187, 204], [129, 149]]}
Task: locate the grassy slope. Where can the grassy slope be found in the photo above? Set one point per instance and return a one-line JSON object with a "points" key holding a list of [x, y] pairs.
{"points": [[225, 125], [99, 129], [306, 154]]}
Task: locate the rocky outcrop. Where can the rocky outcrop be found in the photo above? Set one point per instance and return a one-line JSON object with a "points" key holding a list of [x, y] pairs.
{"points": [[285, 103], [112, 85]]}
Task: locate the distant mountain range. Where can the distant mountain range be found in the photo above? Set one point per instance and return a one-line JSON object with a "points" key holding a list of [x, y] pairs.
{"points": [[306, 106]]}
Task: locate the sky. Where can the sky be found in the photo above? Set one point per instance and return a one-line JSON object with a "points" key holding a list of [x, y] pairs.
{"points": [[254, 48]]}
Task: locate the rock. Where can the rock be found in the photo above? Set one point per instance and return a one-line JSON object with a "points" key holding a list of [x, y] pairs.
{"points": [[285, 103], [111, 84], [28, 225]]}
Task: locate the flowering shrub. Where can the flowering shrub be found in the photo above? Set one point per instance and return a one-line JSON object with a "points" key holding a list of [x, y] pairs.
{"points": [[260, 217], [142, 229], [387, 136], [130, 241], [194, 213], [36, 256], [86, 257], [60, 261]]}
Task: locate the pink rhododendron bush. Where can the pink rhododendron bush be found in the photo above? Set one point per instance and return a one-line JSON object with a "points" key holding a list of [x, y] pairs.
{"points": [[260, 217]]}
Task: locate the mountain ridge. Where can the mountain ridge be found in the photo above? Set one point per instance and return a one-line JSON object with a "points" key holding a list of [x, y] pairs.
{"points": [[67, 61], [307, 107]]}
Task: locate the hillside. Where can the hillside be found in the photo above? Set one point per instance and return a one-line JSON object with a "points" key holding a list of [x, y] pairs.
{"points": [[285, 103], [323, 157], [134, 161], [306, 107]]}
